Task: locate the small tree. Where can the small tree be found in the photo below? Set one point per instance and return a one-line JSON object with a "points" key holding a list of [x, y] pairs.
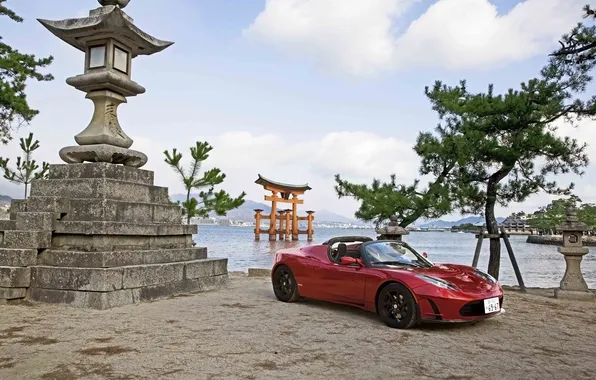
{"points": [[15, 69], [27, 168], [220, 202], [380, 201]]}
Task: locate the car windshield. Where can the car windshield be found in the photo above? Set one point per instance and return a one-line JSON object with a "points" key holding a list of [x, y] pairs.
{"points": [[394, 253]]}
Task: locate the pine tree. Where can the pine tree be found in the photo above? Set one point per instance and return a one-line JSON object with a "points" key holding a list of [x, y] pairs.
{"points": [[15, 69]]}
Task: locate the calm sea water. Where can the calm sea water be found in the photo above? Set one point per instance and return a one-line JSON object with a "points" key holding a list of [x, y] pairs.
{"points": [[541, 265]]}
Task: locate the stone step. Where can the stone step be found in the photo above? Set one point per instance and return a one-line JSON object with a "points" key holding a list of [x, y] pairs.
{"points": [[118, 298], [12, 293], [119, 228], [16, 206], [111, 259], [99, 188], [106, 210], [35, 221], [101, 170], [94, 243], [127, 277], [6, 225], [27, 239], [11, 257], [13, 277]]}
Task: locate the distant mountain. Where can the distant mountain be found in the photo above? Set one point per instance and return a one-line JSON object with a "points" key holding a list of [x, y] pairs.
{"points": [[448, 224], [5, 200], [246, 213]]}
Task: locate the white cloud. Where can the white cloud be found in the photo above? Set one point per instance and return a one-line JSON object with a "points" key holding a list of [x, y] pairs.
{"points": [[359, 37]]}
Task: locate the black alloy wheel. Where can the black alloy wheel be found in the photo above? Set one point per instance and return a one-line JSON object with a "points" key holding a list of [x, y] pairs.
{"points": [[284, 284], [396, 306]]}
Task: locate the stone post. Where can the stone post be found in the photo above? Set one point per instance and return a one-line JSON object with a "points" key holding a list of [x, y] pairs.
{"points": [[573, 285], [392, 231]]}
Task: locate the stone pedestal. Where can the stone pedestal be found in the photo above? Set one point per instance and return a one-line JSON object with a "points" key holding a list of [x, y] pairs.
{"points": [[98, 235]]}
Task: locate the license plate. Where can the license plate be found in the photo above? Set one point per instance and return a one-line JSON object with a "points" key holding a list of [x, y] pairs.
{"points": [[491, 305]]}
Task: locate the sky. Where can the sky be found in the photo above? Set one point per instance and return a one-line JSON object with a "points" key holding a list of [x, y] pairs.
{"points": [[296, 90]]}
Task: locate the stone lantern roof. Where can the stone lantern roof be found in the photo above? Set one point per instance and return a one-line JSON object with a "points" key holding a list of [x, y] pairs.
{"points": [[108, 21], [572, 222]]}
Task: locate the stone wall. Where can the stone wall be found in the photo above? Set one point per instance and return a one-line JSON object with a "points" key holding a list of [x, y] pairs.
{"points": [[589, 241]]}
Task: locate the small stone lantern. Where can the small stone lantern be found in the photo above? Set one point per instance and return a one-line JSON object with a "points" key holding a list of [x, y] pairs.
{"points": [[573, 285], [391, 231], [110, 41]]}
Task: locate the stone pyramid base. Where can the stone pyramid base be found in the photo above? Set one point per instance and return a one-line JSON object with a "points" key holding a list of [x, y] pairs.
{"points": [[99, 236]]}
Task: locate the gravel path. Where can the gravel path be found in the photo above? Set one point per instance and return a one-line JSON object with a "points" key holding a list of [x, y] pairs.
{"points": [[244, 333]]}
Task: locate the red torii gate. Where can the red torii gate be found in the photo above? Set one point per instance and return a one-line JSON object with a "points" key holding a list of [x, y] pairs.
{"points": [[283, 193]]}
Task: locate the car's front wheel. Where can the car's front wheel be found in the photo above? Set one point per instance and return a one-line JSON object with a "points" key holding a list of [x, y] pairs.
{"points": [[397, 306], [284, 284]]}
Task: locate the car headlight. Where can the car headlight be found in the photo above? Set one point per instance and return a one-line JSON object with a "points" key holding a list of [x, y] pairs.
{"points": [[437, 282], [485, 276]]}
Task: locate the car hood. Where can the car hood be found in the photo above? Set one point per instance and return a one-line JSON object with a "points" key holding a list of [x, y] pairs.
{"points": [[462, 276]]}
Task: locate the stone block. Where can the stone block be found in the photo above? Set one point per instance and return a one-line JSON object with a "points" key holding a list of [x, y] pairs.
{"points": [[259, 272], [6, 225], [152, 274], [87, 300], [16, 206], [95, 243], [206, 268], [151, 293], [99, 188], [35, 221], [17, 257], [12, 277], [47, 204], [27, 239], [120, 228], [168, 214], [101, 170], [88, 279], [111, 259], [12, 293]]}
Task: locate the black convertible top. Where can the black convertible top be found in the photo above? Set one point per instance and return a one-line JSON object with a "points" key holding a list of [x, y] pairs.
{"points": [[344, 239]]}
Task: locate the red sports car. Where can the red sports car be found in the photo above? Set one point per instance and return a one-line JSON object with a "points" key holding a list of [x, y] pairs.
{"points": [[386, 277]]}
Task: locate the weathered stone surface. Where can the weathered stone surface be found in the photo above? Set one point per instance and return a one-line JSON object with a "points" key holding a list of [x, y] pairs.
{"points": [[89, 279], [152, 274], [46, 204], [101, 170], [12, 293], [27, 239], [181, 287], [206, 268], [259, 272], [6, 225], [35, 221], [88, 300], [119, 228], [95, 243], [99, 188], [17, 257], [102, 152], [110, 259], [11, 277], [16, 206]]}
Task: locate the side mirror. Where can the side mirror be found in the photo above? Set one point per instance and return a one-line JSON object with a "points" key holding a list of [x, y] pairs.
{"points": [[346, 260], [425, 255]]}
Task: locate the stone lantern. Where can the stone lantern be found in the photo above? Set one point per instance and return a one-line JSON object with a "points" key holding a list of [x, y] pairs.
{"points": [[392, 231], [110, 41], [573, 285]]}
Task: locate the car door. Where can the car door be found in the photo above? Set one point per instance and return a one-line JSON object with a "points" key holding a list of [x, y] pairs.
{"points": [[342, 283]]}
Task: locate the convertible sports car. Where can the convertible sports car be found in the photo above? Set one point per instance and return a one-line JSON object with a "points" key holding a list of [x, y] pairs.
{"points": [[386, 277]]}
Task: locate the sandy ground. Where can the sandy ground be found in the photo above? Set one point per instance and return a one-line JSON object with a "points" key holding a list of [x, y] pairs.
{"points": [[245, 333]]}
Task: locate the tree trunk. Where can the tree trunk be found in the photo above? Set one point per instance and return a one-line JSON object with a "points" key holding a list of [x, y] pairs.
{"points": [[494, 261]]}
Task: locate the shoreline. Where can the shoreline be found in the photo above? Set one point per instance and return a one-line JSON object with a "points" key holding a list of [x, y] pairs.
{"points": [[589, 241]]}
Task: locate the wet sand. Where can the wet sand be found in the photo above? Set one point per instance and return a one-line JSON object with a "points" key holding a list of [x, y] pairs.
{"points": [[244, 333]]}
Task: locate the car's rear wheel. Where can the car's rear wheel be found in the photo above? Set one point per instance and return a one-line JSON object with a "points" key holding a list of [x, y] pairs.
{"points": [[397, 306], [284, 284]]}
